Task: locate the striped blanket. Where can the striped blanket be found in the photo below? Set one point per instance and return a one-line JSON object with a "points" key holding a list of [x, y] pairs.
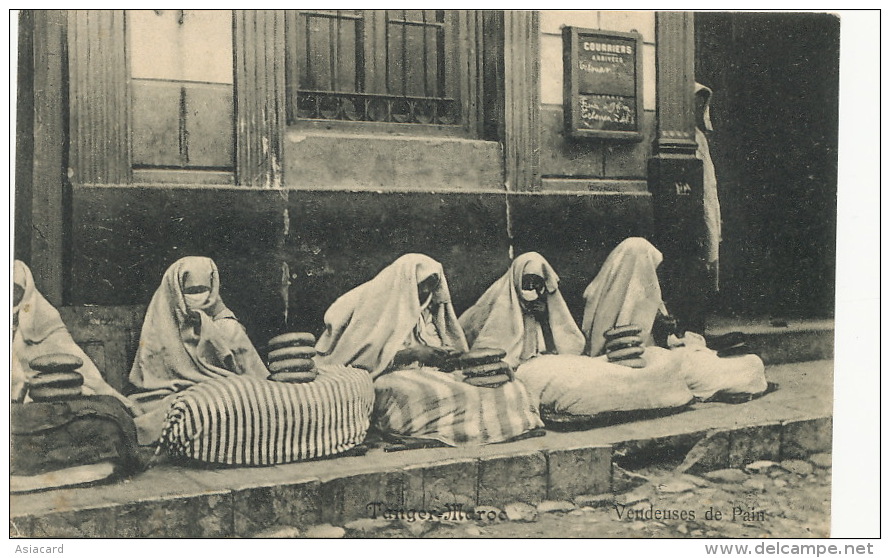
{"points": [[248, 421], [428, 403]]}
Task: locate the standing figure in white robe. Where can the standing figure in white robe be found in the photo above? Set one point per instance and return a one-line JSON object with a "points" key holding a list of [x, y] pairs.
{"points": [[713, 221]]}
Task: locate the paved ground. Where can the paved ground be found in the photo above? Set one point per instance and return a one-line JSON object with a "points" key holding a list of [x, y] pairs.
{"points": [[790, 499], [775, 503]]}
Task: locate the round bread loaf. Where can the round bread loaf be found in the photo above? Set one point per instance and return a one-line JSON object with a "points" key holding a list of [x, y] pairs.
{"points": [[622, 331], [638, 362], [66, 379], [493, 369], [624, 342], [286, 353], [294, 377], [49, 393], [488, 381], [475, 357], [292, 365], [296, 339], [56, 362], [627, 352]]}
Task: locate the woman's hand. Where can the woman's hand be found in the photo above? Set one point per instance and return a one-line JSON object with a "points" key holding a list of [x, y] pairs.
{"points": [[536, 307], [423, 354], [193, 319]]}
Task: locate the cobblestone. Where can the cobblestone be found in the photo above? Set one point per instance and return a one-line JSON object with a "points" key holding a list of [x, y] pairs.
{"points": [[727, 475], [550, 506], [822, 460], [754, 506], [761, 466], [520, 511], [278, 532], [594, 500], [797, 466], [367, 525], [325, 531]]}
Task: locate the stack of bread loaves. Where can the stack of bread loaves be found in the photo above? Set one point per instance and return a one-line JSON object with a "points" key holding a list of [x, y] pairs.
{"points": [[624, 346], [482, 367], [290, 358], [57, 377]]}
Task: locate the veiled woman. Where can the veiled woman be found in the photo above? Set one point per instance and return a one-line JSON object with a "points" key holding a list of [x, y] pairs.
{"points": [[38, 330], [524, 314], [59, 440], [189, 336], [398, 326]]}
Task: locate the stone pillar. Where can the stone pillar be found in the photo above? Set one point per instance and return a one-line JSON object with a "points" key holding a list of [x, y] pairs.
{"points": [[41, 173], [521, 99], [260, 96], [675, 174]]}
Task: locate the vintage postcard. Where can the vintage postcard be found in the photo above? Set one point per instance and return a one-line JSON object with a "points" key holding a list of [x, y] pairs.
{"points": [[426, 274]]}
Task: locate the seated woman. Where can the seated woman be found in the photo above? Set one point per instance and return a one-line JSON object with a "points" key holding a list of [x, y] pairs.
{"points": [[398, 327], [76, 428], [524, 314], [206, 390], [38, 330], [626, 291], [188, 336]]}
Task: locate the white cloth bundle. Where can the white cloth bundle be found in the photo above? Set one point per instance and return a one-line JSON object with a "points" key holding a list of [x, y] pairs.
{"points": [[590, 386], [706, 374]]}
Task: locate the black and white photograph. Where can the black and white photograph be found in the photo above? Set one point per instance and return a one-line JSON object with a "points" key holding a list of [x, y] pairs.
{"points": [[435, 274]]}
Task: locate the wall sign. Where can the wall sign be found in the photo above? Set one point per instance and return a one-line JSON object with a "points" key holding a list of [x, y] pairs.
{"points": [[602, 84]]}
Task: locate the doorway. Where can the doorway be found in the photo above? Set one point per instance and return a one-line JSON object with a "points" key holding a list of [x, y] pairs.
{"points": [[774, 147]]}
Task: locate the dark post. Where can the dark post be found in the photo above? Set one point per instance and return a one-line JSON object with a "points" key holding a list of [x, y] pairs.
{"points": [[675, 175], [44, 174]]}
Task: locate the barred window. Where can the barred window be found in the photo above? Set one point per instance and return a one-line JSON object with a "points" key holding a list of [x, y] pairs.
{"points": [[395, 66]]}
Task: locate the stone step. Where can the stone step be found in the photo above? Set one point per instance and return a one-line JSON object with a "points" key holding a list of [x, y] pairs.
{"points": [[221, 506], [787, 341]]}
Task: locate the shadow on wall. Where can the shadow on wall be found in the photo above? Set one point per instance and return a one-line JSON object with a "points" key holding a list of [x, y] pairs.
{"points": [[124, 238], [331, 242]]}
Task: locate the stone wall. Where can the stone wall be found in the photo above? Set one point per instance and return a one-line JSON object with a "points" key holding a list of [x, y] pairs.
{"points": [[285, 255], [591, 164]]}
